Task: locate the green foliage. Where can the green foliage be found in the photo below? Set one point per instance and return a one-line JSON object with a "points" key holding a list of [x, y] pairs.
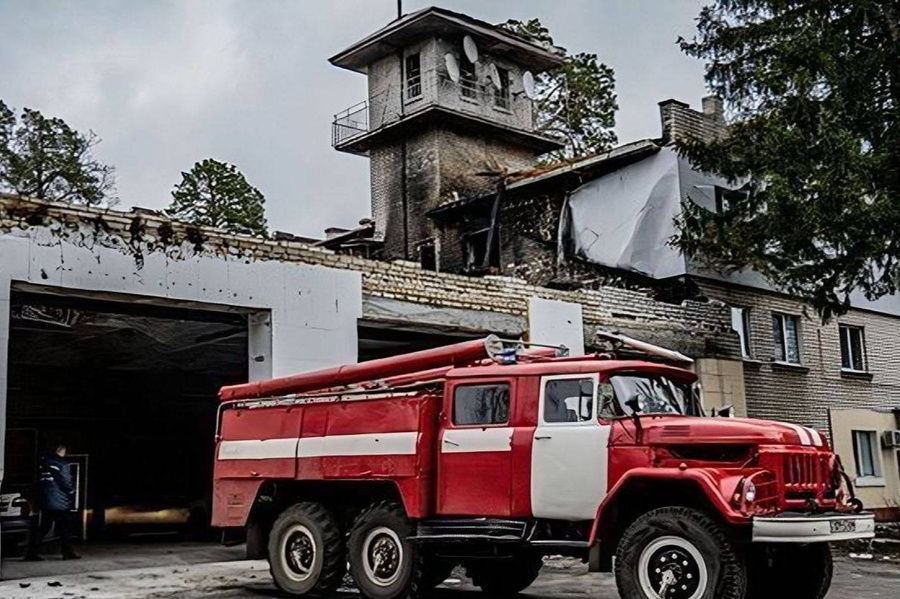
{"points": [[216, 194], [44, 158], [814, 91], [575, 103]]}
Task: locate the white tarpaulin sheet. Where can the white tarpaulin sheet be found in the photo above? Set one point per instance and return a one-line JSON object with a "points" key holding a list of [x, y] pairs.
{"points": [[624, 219]]}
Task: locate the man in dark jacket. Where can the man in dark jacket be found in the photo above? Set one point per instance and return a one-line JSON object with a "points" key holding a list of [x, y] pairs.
{"points": [[56, 497]]}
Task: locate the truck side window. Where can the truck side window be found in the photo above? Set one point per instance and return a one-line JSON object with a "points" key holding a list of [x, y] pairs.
{"points": [[481, 404], [569, 400]]}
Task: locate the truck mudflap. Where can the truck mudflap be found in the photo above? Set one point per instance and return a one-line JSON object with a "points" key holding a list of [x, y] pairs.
{"points": [[813, 528]]}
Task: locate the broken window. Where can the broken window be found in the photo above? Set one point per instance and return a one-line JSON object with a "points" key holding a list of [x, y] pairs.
{"points": [[569, 400], [475, 246], [501, 94], [468, 81], [481, 404], [853, 348], [740, 322], [786, 337], [413, 76]]}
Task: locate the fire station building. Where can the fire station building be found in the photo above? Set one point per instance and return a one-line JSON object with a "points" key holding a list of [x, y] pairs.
{"points": [[118, 328]]}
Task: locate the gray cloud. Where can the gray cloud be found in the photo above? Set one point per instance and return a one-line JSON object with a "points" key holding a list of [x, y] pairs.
{"points": [[167, 83]]}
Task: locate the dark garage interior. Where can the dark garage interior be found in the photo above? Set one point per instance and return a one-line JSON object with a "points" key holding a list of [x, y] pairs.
{"points": [[131, 389]]}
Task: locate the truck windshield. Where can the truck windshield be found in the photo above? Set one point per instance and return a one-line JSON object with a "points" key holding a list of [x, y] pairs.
{"points": [[654, 394]]}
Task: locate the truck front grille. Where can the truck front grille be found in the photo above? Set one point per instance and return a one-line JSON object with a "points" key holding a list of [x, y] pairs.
{"points": [[805, 472]]}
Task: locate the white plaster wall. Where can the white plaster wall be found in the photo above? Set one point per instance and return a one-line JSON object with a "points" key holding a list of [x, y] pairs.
{"points": [[554, 322], [308, 314]]}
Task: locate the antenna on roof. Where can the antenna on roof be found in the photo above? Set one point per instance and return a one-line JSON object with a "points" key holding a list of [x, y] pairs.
{"points": [[452, 67], [399, 9], [470, 49]]}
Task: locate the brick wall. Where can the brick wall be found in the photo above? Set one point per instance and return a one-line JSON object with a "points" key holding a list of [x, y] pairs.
{"points": [[695, 328], [806, 394]]}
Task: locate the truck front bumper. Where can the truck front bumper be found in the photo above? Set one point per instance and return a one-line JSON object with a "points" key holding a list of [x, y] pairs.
{"points": [[813, 528]]}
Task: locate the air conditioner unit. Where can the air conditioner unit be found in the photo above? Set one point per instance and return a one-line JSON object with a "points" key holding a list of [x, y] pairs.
{"points": [[890, 439]]}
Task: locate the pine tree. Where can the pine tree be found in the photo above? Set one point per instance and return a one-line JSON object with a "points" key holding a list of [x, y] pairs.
{"points": [[216, 194]]}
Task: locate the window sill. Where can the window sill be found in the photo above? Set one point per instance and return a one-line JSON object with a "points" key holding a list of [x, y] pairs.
{"points": [[870, 481], [413, 100], [858, 375], [502, 109], [752, 363], [789, 367], [468, 100]]}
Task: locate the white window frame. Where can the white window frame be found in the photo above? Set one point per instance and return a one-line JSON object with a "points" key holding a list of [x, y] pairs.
{"points": [[842, 328], [783, 316], [875, 447], [593, 421], [740, 322]]}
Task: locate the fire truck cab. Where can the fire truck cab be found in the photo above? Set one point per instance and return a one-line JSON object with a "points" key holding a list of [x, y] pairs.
{"points": [[491, 456]]}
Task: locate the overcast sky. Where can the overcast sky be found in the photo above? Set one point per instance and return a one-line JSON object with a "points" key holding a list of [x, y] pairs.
{"points": [[165, 83]]}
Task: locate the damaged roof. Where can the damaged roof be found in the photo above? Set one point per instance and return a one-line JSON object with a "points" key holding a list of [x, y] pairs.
{"points": [[432, 20], [580, 169]]}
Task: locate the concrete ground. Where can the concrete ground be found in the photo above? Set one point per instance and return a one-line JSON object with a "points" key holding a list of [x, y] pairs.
{"points": [[99, 557], [561, 579]]}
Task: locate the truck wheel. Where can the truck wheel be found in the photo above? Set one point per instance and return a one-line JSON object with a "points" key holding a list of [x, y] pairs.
{"points": [[790, 572], [678, 553], [505, 577], [306, 551], [384, 564]]}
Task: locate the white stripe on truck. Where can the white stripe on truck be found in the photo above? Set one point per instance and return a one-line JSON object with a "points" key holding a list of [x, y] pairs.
{"points": [[316, 447]]}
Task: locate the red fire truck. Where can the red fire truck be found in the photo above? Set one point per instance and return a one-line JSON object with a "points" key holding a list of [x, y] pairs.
{"points": [[491, 456]]}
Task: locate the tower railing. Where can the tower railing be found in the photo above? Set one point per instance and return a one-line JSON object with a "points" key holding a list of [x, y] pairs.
{"points": [[429, 89]]}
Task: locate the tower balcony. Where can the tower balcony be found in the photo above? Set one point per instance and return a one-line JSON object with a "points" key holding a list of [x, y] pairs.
{"points": [[434, 95]]}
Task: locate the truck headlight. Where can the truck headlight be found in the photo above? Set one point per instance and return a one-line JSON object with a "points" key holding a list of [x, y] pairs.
{"points": [[749, 492]]}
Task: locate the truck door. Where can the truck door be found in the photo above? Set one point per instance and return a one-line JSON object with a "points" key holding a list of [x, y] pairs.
{"points": [[569, 456], [475, 449]]}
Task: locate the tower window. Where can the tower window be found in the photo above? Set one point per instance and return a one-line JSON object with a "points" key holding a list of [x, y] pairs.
{"points": [[413, 76], [468, 81], [501, 94]]}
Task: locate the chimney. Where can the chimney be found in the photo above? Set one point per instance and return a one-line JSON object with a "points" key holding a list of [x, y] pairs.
{"points": [[680, 122], [714, 108]]}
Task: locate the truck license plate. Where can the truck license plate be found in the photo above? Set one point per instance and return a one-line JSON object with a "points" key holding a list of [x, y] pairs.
{"points": [[839, 526]]}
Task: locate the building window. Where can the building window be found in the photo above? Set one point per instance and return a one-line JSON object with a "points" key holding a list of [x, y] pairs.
{"points": [[428, 256], [740, 322], [867, 458], [475, 246], [468, 81], [413, 76], [501, 94], [726, 198], [475, 405], [786, 337], [853, 348]]}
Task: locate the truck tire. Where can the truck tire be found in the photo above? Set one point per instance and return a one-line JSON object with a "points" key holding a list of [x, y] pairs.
{"points": [[383, 563], [505, 577], [790, 571], [683, 550], [306, 551]]}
